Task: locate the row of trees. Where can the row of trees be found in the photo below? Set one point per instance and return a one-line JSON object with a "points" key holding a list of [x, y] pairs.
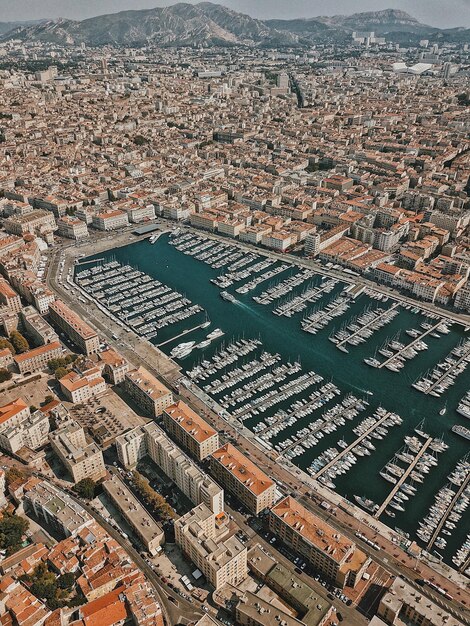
{"points": [[156, 502], [16, 343]]}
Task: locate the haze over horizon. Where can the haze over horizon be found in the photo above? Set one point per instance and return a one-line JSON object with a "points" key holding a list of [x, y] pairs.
{"points": [[439, 13]]}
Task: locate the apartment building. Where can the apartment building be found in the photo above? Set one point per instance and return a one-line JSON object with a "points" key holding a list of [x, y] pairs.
{"points": [[56, 508], [323, 547], [6, 358], [188, 477], [279, 241], [146, 528], [8, 297], [19, 428], [34, 222], [139, 213], [81, 459], [191, 431], [149, 393], [110, 220], [131, 447], [82, 335], [36, 360], [403, 604], [37, 328], [205, 221], [222, 561], [72, 228], [80, 387], [242, 478], [115, 366]]}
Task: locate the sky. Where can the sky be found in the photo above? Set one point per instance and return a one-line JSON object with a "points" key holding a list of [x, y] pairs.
{"points": [[440, 13]]}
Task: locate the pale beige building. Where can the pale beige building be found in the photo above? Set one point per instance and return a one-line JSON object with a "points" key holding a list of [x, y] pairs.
{"points": [[36, 360], [221, 560], [151, 440], [234, 471], [150, 533], [190, 430], [81, 387], [149, 393], [402, 604], [82, 335], [334, 555], [81, 459]]}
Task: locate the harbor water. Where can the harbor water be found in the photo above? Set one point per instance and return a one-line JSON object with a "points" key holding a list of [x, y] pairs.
{"points": [[245, 318]]}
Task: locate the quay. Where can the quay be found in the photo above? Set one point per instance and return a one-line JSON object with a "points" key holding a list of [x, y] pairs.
{"points": [[185, 332], [363, 328], [403, 478], [450, 508], [352, 445], [85, 262], [448, 372], [409, 345]]}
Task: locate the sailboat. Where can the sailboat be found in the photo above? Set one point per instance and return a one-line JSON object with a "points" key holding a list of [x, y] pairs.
{"points": [[443, 410]]}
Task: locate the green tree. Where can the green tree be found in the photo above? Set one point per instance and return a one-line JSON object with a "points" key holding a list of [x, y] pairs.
{"points": [[48, 399], [4, 343], [155, 501], [13, 474], [86, 488], [60, 372], [12, 529], [5, 375], [18, 341], [66, 581]]}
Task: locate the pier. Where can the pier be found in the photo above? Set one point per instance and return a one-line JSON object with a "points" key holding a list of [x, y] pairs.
{"points": [[403, 478], [448, 372], [409, 345], [300, 301], [185, 332], [363, 328], [352, 445], [450, 508]]}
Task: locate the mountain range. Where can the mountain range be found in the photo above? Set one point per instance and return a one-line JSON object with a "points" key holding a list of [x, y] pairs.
{"points": [[208, 24]]}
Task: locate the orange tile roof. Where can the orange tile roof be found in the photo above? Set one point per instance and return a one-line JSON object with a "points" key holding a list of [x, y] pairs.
{"points": [[190, 421], [10, 410], [105, 611], [30, 354], [243, 469], [323, 536]]}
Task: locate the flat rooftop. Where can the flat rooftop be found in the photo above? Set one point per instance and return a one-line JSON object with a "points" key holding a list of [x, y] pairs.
{"points": [[131, 508]]}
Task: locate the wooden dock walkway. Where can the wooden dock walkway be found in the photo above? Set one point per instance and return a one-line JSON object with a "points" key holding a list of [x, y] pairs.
{"points": [[410, 345], [362, 328], [403, 478], [450, 508], [351, 446]]}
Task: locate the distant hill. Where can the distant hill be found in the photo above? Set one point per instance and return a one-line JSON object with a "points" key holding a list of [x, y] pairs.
{"points": [[6, 27], [177, 25], [381, 22], [208, 24]]}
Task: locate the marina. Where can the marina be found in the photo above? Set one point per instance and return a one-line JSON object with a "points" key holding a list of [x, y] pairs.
{"points": [[264, 356]]}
